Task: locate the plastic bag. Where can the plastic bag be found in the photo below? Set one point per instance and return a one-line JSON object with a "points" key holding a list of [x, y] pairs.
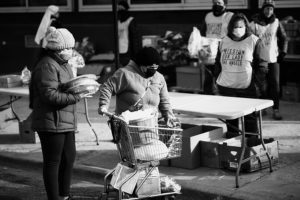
{"points": [[169, 185], [194, 43], [208, 50], [202, 47], [76, 62], [25, 76]]}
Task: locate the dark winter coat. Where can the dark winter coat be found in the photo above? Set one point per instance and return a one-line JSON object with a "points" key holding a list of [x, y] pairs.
{"points": [[53, 109]]}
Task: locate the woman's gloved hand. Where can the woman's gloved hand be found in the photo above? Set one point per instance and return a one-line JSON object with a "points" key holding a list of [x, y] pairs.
{"points": [[102, 110], [172, 122]]}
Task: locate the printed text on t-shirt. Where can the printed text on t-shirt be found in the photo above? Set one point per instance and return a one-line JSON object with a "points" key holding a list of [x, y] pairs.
{"points": [[232, 56]]}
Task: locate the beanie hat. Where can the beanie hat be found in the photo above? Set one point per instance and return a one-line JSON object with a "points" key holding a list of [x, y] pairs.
{"points": [[59, 39], [124, 4], [147, 56], [268, 3]]}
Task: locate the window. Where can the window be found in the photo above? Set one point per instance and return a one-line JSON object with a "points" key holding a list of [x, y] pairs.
{"points": [[96, 2], [154, 1], [150, 5], [33, 5], [12, 3]]}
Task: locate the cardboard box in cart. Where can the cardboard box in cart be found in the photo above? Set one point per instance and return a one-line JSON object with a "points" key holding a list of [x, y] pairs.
{"points": [[230, 152], [150, 185], [192, 136], [124, 178]]}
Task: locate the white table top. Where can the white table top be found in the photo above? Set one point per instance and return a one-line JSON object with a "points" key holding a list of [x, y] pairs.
{"points": [[216, 106], [15, 91], [194, 104]]}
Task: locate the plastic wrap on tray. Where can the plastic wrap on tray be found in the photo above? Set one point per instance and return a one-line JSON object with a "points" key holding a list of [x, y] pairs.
{"points": [[86, 84]]}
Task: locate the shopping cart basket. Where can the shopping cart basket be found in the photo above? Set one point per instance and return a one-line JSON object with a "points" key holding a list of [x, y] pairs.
{"points": [[141, 148]]}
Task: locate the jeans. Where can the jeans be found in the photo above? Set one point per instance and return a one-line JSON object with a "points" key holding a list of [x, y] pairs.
{"points": [[59, 153], [250, 120], [272, 84]]}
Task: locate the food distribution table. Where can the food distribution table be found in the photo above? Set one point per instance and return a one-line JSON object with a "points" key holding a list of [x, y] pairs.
{"points": [[224, 108], [15, 93]]}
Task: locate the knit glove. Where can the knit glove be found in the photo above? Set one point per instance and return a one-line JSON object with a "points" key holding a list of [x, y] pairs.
{"points": [[172, 122], [102, 110]]}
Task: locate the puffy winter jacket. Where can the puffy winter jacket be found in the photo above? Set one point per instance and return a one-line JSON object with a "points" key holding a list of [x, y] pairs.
{"points": [[129, 85], [53, 110]]}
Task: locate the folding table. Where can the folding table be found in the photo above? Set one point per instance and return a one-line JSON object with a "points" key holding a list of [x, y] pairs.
{"points": [[224, 108], [16, 93]]}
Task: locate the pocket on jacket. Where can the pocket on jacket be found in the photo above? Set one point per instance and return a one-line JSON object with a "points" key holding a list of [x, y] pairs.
{"points": [[56, 118]]}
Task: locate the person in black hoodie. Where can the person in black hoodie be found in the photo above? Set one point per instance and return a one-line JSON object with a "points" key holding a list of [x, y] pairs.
{"points": [[129, 38], [274, 48]]}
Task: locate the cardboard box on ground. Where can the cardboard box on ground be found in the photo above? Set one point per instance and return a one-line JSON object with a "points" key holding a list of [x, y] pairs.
{"points": [[193, 155], [207, 146], [6, 117], [231, 150]]}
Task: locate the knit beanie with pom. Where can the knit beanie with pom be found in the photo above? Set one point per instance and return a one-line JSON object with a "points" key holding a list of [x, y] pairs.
{"points": [[59, 39]]}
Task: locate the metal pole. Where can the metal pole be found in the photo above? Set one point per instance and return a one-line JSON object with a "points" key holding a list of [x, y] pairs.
{"points": [[116, 35]]}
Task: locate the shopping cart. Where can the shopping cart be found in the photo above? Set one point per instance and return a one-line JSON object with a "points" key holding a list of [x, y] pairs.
{"points": [[141, 148]]}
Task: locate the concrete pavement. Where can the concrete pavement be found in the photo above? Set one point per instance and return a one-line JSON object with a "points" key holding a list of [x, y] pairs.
{"points": [[200, 183]]}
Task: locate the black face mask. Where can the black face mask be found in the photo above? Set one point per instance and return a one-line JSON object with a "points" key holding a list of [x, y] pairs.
{"points": [[123, 15], [150, 72], [218, 10]]}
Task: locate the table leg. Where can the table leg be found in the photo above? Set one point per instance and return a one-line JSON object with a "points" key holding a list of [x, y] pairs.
{"points": [[12, 99], [88, 120], [262, 141], [241, 159]]}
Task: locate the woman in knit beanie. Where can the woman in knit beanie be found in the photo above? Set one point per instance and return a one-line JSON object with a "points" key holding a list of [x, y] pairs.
{"points": [[54, 112]]}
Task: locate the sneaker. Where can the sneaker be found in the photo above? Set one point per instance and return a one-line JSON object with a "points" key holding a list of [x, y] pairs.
{"points": [[276, 115]]}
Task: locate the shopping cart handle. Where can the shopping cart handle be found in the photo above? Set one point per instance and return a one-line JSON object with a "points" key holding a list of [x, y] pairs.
{"points": [[111, 115]]}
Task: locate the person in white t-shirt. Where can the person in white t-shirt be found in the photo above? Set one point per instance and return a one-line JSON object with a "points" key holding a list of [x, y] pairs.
{"points": [[214, 26], [268, 28], [236, 58], [129, 38]]}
